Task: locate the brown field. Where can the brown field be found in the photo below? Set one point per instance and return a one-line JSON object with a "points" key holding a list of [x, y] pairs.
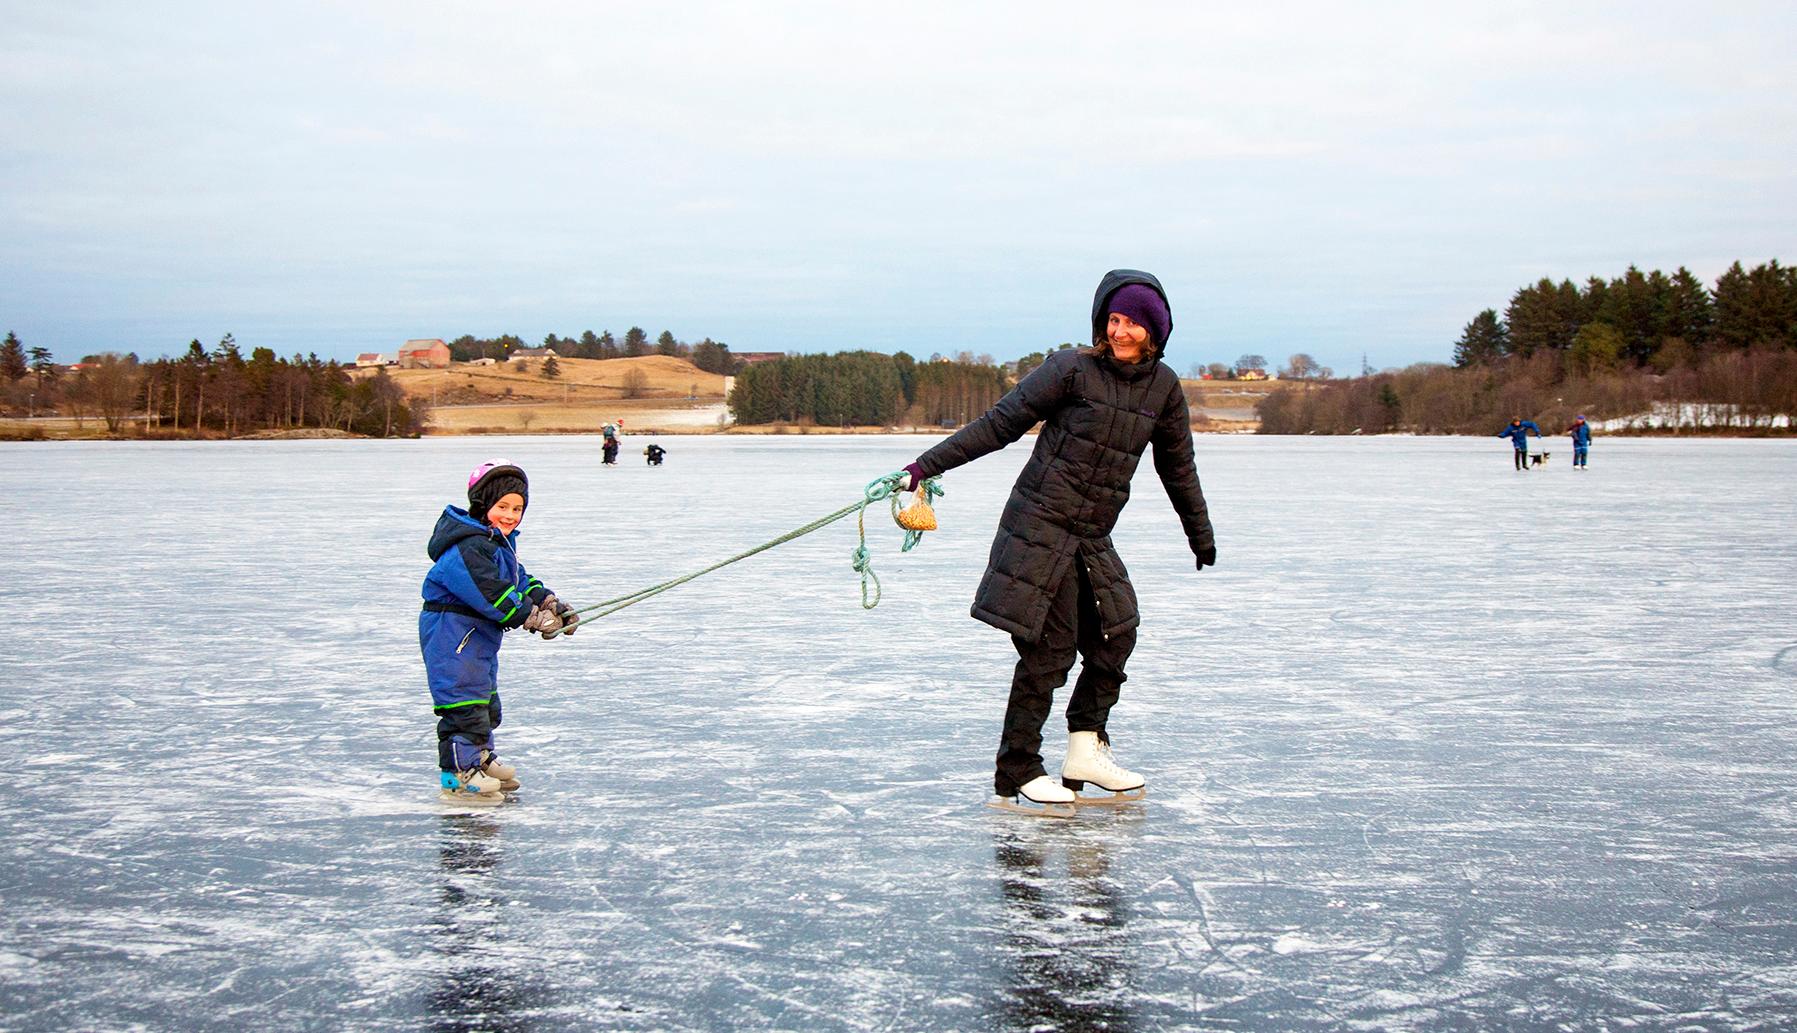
{"points": [[1227, 406], [640, 416], [581, 381], [673, 396]]}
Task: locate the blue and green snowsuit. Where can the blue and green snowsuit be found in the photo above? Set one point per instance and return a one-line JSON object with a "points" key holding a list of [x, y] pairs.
{"points": [[475, 591]]}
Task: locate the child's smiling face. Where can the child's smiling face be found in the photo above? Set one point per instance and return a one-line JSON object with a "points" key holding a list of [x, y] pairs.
{"points": [[507, 513]]}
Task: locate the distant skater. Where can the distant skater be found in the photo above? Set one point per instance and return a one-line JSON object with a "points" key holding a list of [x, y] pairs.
{"points": [[611, 444], [1581, 442], [1518, 433], [475, 592], [653, 454], [1054, 581]]}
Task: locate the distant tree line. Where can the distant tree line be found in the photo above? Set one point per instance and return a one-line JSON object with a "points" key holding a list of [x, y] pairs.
{"points": [[863, 388], [1724, 358], [709, 355], [203, 392], [1638, 319]]}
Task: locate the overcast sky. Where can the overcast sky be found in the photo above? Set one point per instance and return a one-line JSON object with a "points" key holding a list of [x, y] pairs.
{"points": [[1337, 179]]}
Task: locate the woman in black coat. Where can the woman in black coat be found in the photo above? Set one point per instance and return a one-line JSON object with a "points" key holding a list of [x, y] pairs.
{"points": [[1054, 581]]}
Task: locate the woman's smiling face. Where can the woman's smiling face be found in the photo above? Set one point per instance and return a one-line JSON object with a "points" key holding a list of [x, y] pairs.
{"points": [[1128, 338]]}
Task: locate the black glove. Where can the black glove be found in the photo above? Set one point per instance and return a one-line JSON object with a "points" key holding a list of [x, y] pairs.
{"points": [[1207, 556]]}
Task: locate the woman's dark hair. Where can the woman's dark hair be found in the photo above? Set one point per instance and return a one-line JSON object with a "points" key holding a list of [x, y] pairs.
{"points": [[1101, 346]]}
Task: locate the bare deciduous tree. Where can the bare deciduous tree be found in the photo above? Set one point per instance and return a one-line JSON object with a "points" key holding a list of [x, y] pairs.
{"points": [[113, 386]]}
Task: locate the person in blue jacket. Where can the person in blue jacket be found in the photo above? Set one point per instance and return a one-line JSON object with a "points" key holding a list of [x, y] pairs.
{"points": [[477, 590], [1518, 433], [1581, 442]]}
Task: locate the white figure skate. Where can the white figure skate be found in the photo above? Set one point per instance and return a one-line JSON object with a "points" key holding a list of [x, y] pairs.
{"points": [[1089, 760], [1050, 799]]}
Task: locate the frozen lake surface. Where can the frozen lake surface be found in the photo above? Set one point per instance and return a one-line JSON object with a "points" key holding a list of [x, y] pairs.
{"points": [[1439, 746]]}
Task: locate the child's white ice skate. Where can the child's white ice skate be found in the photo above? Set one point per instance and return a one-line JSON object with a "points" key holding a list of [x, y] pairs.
{"points": [[507, 775], [1049, 799], [1089, 760], [471, 788]]}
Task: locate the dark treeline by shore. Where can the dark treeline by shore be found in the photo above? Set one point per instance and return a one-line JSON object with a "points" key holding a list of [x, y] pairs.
{"points": [[709, 355], [865, 389], [207, 392], [1641, 343]]}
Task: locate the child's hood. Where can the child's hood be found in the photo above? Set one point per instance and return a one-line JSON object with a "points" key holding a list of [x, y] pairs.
{"points": [[455, 525]]}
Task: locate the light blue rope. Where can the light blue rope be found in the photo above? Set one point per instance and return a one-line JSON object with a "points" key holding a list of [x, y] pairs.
{"points": [[877, 489]]}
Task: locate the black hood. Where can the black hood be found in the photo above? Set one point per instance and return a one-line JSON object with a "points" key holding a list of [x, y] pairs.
{"points": [[1112, 282]]}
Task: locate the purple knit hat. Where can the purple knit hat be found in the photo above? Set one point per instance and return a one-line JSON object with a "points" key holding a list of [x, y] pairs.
{"points": [[1143, 305]]}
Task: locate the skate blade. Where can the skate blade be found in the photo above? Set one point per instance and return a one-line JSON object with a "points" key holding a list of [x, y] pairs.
{"points": [[1122, 796], [450, 799], [1043, 810]]}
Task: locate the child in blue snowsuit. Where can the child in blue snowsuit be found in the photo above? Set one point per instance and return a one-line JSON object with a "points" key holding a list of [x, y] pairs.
{"points": [[1581, 442], [1518, 433], [475, 591]]}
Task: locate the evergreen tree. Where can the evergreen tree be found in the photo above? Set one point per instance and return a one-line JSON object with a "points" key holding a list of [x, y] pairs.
{"points": [[713, 356], [1592, 299], [1689, 315], [1390, 404], [551, 368], [12, 359], [1633, 304], [1757, 307], [636, 342], [1595, 348], [666, 344], [1484, 340], [1543, 317], [43, 366], [1734, 318]]}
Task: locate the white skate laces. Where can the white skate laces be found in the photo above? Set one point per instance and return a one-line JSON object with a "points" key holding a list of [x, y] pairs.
{"points": [[1108, 764], [1089, 759]]}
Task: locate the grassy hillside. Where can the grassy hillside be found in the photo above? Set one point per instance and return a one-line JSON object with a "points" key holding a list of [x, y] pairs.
{"points": [[1228, 405], [581, 381]]}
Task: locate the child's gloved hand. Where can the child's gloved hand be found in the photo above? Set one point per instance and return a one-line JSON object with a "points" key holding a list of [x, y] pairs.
{"points": [[543, 619], [1207, 557], [568, 617], [552, 621]]}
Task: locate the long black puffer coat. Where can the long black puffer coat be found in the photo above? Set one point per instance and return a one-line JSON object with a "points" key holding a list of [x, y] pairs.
{"points": [[1098, 416]]}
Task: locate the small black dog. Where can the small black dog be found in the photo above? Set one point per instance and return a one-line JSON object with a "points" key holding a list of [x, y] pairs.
{"points": [[1539, 458]]}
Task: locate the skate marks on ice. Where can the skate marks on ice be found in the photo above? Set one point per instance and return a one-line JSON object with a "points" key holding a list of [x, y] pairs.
{"points": [[1407, 775]]}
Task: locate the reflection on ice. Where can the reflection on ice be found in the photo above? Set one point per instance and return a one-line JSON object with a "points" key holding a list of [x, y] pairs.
{"points": [[1066, 926]]}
